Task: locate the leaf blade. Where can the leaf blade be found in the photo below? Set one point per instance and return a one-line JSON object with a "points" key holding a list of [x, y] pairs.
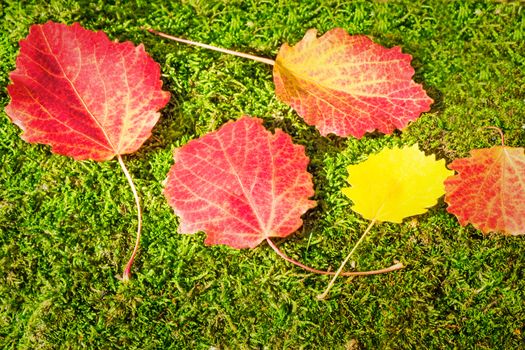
{"points": [[348, 85], [396, 183], [488, 190], [240, 184], [86, 96]]}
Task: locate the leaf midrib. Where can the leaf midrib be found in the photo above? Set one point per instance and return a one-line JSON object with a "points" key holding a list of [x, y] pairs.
{"points": [[95, 120], [248, 197]]}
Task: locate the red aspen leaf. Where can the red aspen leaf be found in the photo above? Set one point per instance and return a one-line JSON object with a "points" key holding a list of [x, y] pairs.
{"points": [[240, 185], [86, 96], [348, 85], [489, 190]]}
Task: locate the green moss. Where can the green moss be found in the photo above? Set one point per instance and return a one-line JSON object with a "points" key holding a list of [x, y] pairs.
{"points": [[67, 227]]}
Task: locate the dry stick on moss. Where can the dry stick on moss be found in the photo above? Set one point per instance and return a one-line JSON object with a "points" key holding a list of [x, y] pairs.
{"points": [[127, 269], [499, 131], [394, 267]]}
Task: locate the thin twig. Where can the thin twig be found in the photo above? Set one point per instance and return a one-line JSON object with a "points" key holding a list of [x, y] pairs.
{"points": [[322, 272], [214, 48], [127, 270], [500, 133], [325, 293]]}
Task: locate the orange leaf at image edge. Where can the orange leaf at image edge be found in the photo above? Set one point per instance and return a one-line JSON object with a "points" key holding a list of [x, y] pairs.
{"points": [[489, 190]]}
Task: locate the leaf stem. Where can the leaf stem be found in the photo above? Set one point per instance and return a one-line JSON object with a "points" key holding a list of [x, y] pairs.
{"points": [[394, 267], [500, 133], [127, 270], [325, 293], [214, 48]]}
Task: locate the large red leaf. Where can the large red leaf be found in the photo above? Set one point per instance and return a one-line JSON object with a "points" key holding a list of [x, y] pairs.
{"points": [[348, 85], [240, 184], [86, 96], [489, 190]]}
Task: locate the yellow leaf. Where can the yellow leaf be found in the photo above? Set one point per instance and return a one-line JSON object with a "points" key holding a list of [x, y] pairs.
{"points": [[396, 183]]}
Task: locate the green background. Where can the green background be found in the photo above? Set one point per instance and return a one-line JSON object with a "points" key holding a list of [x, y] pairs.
{"points": [[67, 227]]}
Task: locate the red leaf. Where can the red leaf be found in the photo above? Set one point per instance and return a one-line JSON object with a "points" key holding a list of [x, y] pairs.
{"points": [[489, 190], [86, 96], [348, 85], [240, 184]]}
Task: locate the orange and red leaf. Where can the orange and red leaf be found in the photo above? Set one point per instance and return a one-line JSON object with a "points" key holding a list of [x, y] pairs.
{"points": [[348, 85], [489, 190]]}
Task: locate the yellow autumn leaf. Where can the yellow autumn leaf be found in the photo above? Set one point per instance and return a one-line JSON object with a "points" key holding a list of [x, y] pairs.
{"points": [[396, 183], [392, 185]]}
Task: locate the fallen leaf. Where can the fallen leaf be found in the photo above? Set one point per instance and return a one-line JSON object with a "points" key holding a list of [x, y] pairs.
{"points": [[86, 96], [240, 185], [489, 190], [348, 85], [396, 183], [391, 185]]}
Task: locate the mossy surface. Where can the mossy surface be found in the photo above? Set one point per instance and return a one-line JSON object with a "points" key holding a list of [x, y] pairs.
{"points": [[67, 227]]}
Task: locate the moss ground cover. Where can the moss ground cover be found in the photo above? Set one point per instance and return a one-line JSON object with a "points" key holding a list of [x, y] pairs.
{"points": [[66, 227]]}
